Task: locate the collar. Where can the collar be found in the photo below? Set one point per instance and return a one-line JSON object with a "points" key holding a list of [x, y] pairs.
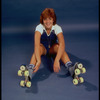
{"points": [[50, 31]]}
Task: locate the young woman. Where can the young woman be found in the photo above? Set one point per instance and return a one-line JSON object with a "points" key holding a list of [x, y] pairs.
{"points": [[49, 40]]}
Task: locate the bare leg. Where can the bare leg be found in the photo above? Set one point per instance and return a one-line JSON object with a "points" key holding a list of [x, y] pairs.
{"points": [[65, 58], [33, 59], [43, 52], [53, 50]]}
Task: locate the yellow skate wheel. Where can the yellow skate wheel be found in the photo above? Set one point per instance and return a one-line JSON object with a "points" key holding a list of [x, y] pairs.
{"points": [[77, 72], [19, 73], [81, 80], [26, 73], [80, 66], [75, 81], [28, 84], [22, 67], [83, 70], [22, 83]]}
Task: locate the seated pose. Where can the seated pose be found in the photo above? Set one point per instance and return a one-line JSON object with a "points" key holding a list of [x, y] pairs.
{"points": [[49, 40]]}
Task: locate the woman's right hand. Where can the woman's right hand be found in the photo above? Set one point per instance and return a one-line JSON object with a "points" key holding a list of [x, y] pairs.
{"points": [[35, 69]]}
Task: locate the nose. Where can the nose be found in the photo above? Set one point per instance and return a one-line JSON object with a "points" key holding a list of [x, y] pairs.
{"points": [[47, 20]]}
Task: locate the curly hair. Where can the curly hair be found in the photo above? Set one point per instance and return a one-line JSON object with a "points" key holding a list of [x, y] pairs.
{"points": [[48, 12]]}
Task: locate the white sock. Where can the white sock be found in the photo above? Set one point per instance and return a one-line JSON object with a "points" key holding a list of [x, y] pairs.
{"points": [[68, 64]]}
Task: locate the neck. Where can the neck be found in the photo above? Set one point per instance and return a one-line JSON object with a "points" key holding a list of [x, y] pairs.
{"points": [[48, 29]]}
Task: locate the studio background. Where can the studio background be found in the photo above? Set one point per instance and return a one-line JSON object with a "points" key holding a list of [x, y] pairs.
{"points": [[79, 20]]}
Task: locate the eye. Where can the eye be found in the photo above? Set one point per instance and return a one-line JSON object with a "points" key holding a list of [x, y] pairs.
{"points": [[50, 18], [44, 18]]}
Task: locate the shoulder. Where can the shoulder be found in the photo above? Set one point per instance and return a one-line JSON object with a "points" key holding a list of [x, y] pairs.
{"points": [[39, 28], [57, 26], [57, 29]]}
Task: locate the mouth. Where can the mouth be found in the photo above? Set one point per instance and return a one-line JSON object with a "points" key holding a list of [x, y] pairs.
{"points": [[48, 24]]}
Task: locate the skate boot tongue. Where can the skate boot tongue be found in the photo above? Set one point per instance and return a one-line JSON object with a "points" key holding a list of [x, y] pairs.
{"points": [[30, 69], [71, 71], [30, 66]]}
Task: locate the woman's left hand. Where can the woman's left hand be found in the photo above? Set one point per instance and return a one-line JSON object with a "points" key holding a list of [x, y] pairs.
{"points": [[56, 66]]}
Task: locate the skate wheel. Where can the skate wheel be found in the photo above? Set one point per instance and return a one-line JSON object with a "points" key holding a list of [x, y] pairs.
{"points": [[28, 84], [22, 67], [75, 81], [83, 70], [19, 73], [22, 83], [26, 73], [81, 80], [80, 66], [77, 72]]}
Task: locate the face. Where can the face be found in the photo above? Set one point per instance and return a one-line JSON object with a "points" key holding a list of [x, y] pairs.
{"points": [[48, 22]]}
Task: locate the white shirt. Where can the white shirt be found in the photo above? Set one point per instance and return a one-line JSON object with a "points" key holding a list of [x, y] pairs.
{"points": [[55, 27]]}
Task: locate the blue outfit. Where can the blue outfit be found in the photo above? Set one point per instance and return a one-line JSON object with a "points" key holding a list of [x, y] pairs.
{"points": [[48, 41]]}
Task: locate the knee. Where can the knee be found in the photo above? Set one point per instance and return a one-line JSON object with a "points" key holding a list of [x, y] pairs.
{"points": [[56, 48], [42, 50]]}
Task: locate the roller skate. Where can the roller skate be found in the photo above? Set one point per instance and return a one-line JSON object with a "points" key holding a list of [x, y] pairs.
{"points": [[24, 71], [76, 70]]}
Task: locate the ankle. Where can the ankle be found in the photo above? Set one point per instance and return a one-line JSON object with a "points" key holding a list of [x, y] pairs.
{"points": [[68, 64], [31, 66]]}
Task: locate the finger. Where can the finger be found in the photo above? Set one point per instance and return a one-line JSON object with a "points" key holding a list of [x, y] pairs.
{"points": [[37, 66], [59, 68], [35, 70], [56, 70]]}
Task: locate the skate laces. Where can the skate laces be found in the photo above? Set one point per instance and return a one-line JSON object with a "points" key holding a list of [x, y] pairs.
{"points": [[31, 66], [68, 64]]}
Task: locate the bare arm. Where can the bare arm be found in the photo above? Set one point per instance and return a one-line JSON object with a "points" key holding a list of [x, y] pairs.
{"points": [[61, 47], [60, 52], [37, 50]]}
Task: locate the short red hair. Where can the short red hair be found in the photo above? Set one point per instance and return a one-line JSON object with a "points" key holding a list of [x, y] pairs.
{"points": [[48, 12]]}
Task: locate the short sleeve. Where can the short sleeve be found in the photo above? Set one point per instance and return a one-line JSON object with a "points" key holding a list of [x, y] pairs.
{"points": [[39, 28], [58, 29]]}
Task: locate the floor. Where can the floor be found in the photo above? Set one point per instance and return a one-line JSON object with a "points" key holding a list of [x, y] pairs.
{"points": [[81, 46]]}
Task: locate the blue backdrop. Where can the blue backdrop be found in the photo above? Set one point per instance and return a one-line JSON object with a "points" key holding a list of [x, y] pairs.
{"points": [[79, 21], [69, 12]]}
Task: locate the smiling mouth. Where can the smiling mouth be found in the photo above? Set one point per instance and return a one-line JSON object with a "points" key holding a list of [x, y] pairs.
{"points": [[48, 24]]}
